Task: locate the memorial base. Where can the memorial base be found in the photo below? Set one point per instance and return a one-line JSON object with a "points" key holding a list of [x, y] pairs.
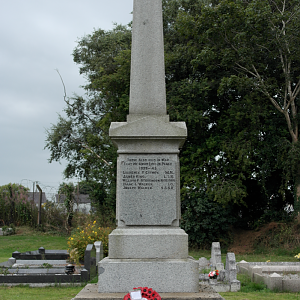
{"points": [[205, 292], [163, 275], [148, 243]]}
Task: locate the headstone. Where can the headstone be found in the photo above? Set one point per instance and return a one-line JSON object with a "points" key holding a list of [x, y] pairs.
{"points": [[148, 248], [231, 271], [216, 260], [99, 251], [203, 263], [90, 260]]}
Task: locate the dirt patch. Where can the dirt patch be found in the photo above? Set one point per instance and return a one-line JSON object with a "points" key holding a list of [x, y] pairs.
{"points": [[244, 240]]}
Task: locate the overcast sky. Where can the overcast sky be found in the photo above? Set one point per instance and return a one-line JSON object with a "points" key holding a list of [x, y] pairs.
{"points": [[37, 37]]}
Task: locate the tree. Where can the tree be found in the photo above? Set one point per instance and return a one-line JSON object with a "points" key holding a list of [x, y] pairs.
{"points": [[15, 207], [257, 41], [234, 134], [81, 137], [102, 205], [67, 191]]}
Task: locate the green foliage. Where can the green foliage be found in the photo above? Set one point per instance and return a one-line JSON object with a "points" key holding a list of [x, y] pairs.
{"points": [[82, 236], [82, 136], [54, 217], [67, 190], [247, 286], [204, 220], [103, 206], [224, 76], [15, 207]]}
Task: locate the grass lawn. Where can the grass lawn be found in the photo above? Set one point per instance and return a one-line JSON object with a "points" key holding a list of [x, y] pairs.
{"points": [[28, 240], [260, 296], [46, 293]]}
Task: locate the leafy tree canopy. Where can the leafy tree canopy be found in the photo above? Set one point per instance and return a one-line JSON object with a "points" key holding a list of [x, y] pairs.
{"points": [[232, 74]]}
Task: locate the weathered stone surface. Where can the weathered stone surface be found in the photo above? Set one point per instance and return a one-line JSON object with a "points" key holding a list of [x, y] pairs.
{"points": [[147, 80], [204, 263], [11, 261], [41, 262], [231, 271], [156, 242], [121, 275], [235, 286], [275, 282], [148, 189], [99, 251], [215, 255], [205, 293]]}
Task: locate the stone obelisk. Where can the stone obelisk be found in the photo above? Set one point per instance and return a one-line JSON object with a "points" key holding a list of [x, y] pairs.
{"points": [[148, 248]]}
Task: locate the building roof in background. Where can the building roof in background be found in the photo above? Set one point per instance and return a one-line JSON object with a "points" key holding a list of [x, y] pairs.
{"points": [[81, 198], [36, 197]]}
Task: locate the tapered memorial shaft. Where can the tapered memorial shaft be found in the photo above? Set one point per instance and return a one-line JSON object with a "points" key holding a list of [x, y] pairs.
{"points": [[147, 79]]}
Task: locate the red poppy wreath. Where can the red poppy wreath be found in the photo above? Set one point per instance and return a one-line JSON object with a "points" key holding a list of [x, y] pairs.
{"points": [[147, 293]]}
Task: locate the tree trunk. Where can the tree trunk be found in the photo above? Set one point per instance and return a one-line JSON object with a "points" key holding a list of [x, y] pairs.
{"points": [[297, 194]]}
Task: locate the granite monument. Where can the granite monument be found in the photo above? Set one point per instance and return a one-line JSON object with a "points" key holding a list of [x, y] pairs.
{"points": [[148, 248]]}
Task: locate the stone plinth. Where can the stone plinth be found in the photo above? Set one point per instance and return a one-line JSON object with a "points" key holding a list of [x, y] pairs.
{"points": [[163, 275], [90, 292], [136, 243]]}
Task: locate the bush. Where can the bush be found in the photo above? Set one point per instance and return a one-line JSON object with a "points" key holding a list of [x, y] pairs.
{"points": [[15, 207], [54, 217], [82, 236], [205, 221]]}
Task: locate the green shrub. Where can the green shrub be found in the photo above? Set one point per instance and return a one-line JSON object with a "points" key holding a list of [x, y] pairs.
{"points": [[15, 207], [205, 221], [82, 236], [54, 217]]}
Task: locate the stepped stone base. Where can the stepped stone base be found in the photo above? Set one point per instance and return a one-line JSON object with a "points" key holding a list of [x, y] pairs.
{"points": [[90, 292], [162, 243], [163, 275]]}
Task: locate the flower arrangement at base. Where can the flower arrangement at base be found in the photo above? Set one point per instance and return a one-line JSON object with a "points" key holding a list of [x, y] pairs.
{"points": [[213, 274], [297, 256], [147, 293]]}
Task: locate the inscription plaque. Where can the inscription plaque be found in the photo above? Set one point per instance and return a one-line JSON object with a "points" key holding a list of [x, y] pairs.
{"points": [[147, 185]]}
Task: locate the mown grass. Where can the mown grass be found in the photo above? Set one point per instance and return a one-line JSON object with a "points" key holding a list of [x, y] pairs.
{"points": [[45, 293], [256, 291], [28, 240]]}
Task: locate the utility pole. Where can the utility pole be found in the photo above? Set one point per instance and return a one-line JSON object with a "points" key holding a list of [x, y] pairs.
{"points": [[39, 221], [33, 192]]}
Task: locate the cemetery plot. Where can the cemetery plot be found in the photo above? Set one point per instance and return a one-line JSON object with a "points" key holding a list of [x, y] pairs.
{"points": [[48, 266]]}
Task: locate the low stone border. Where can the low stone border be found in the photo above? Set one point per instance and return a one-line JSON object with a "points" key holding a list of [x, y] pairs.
{"points": [[272, 274], [44, 278]]}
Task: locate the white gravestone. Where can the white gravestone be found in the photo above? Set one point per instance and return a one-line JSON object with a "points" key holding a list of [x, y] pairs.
{"points": [[148, 248]]}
